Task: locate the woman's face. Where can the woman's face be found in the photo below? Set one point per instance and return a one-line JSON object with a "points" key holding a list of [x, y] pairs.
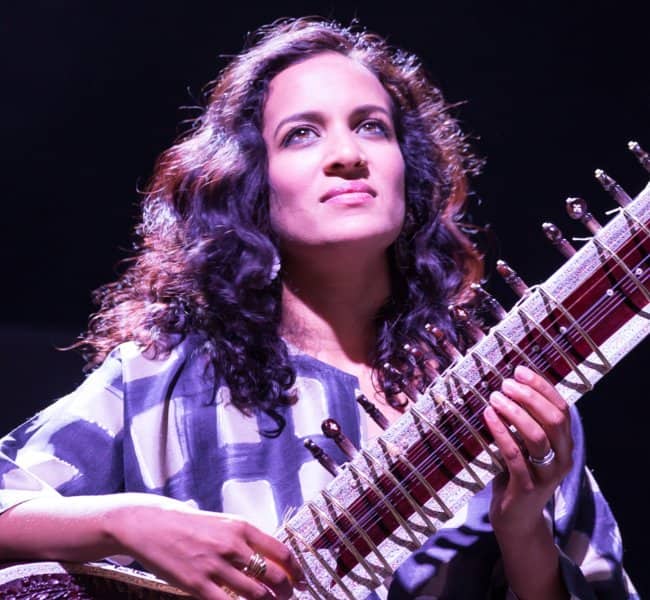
{"points": [[336, 171]]}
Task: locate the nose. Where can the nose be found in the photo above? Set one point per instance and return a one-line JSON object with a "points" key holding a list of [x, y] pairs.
{"points": [[345, 155]]}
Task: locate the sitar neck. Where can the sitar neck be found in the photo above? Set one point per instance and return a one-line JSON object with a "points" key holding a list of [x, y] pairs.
{"points": [[395, 493]]}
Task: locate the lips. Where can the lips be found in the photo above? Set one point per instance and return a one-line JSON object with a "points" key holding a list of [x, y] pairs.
{"points": [[352, 187]]}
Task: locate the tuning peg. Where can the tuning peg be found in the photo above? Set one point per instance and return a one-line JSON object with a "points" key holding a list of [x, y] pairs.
{"points": [[414, 351], [322, 457], [612, 188], [441, 339], [578, 210], [492, 303], [464, 320], [394, 374], [554, 235], [375, 414], [641, 154], [512, 279], [332, 430], [422, 362], [399, 383]]}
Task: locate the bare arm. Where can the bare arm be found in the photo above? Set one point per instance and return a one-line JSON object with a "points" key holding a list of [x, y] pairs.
{"points": [[59, 528], [196, 550]]}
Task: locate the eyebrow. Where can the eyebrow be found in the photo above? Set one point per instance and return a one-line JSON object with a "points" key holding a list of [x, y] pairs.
{"points": [[317, 117]]}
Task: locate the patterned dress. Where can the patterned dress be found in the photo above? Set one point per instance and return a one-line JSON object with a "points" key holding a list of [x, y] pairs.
{"points": [[166, 426]]}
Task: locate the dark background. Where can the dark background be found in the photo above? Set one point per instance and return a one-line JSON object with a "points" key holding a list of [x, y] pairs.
{"points": [[92, 93]]}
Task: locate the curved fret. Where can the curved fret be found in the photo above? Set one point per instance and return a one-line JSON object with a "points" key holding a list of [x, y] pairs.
{"points": [[461, 381], [459, 457], [484, 361], [518, 351], [414, 505], [413, 469], [569, 361], [638, 221], [348, 544], [635, 280], [399, 518], [574, 323], [477, 436], [333, 574], [360, 530]]}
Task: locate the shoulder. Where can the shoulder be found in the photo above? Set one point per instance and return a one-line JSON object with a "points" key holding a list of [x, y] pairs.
{"points": [[184, 370], [129, 361]]}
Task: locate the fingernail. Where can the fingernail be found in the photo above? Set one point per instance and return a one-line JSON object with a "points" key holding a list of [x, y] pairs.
{"points": [[508, 385], [495, 398], [490, 415], [523, 374]]}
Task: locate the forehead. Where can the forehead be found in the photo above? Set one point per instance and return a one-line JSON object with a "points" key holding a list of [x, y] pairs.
{"points": [[326, 81]]}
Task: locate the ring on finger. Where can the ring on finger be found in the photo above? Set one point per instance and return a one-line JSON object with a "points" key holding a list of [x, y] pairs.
{"points": [[543, 461], [256, 566]]}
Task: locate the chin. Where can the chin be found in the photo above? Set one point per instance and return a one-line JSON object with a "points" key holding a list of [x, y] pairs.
{"points": [[378, 241]]}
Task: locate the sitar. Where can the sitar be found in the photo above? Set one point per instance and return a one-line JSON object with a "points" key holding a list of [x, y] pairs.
{"points": [[402, 487]]}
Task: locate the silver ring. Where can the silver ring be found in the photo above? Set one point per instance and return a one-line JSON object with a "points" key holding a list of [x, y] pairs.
{"points": [[547, 459], [256, 566]]}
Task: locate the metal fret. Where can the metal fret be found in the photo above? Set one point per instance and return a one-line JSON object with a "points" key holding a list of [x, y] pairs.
{"points": [[518, 351], [416, 507], [350, 517], [594, 347], [481, 360], [479, 438], [399, 455], [333, 574], [348, 544], [459, 457], [637, 221], [635, 280], [569, 361], [399, 518]]}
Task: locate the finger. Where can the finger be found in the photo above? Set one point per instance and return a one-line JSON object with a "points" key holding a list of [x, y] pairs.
{"points": [[511, 453], [235, 580], [200, 586], [541, 385], [277, 580], [554, 420], [539, 406], [532, 434], [269, 573], [279, 553]]}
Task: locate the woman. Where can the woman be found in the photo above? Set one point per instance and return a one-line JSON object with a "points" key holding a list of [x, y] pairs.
{"points": [[293, 246]]}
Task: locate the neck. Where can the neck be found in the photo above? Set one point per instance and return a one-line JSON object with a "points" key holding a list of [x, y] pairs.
{"points": [[329, 307]]}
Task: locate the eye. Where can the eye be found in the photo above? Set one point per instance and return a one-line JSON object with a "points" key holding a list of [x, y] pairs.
{"points": [[298, 135], [374, 126]]}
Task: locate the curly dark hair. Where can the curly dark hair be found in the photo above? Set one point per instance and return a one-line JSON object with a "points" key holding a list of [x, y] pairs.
{"points": [[205, 247]]}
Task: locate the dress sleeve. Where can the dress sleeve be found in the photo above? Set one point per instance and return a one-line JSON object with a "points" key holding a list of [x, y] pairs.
{"points": [[73, 447], [587, 535]]}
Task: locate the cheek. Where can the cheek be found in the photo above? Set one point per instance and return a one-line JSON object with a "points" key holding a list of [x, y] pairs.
{"points": [[280, 193], [278, 212], [287, 178], [398, 181]]}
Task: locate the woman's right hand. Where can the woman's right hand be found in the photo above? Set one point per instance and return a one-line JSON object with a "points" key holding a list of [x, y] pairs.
{"points": [[202, 552]]}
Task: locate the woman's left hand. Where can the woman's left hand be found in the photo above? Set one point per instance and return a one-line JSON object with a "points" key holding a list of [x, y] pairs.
{"points": [[543, 424]]}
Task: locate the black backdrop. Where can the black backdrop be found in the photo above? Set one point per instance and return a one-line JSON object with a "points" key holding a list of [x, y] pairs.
{"points": [[92, 92]]}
